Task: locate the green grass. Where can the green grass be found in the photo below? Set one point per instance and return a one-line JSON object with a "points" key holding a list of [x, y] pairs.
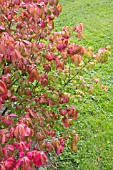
{"points": [[95, 121]]}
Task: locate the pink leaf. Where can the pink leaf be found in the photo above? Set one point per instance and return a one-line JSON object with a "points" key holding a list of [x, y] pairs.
{"points": [[13, 115], [2, 27]]}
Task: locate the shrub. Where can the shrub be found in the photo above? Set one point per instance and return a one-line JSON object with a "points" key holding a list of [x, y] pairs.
{"points": [[36, 66]]}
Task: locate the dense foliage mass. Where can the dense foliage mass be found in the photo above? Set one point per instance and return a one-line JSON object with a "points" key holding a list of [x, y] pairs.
{"points": [[36, 65]]}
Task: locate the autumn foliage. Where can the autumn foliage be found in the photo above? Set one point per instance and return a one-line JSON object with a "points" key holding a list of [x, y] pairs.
{"points": [[35, 69]]}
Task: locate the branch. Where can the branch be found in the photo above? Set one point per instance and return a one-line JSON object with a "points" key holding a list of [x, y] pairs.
{"points": [[70, 79], [4, 111]]}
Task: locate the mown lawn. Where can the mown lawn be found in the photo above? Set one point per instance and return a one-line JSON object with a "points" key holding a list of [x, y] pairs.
{"points": [[95, 121]]}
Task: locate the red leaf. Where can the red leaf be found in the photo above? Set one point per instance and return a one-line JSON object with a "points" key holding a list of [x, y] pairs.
{"points": [[3, 89]]}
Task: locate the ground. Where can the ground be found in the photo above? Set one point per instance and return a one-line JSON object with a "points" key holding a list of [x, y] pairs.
{"points": [[95, 121]]}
